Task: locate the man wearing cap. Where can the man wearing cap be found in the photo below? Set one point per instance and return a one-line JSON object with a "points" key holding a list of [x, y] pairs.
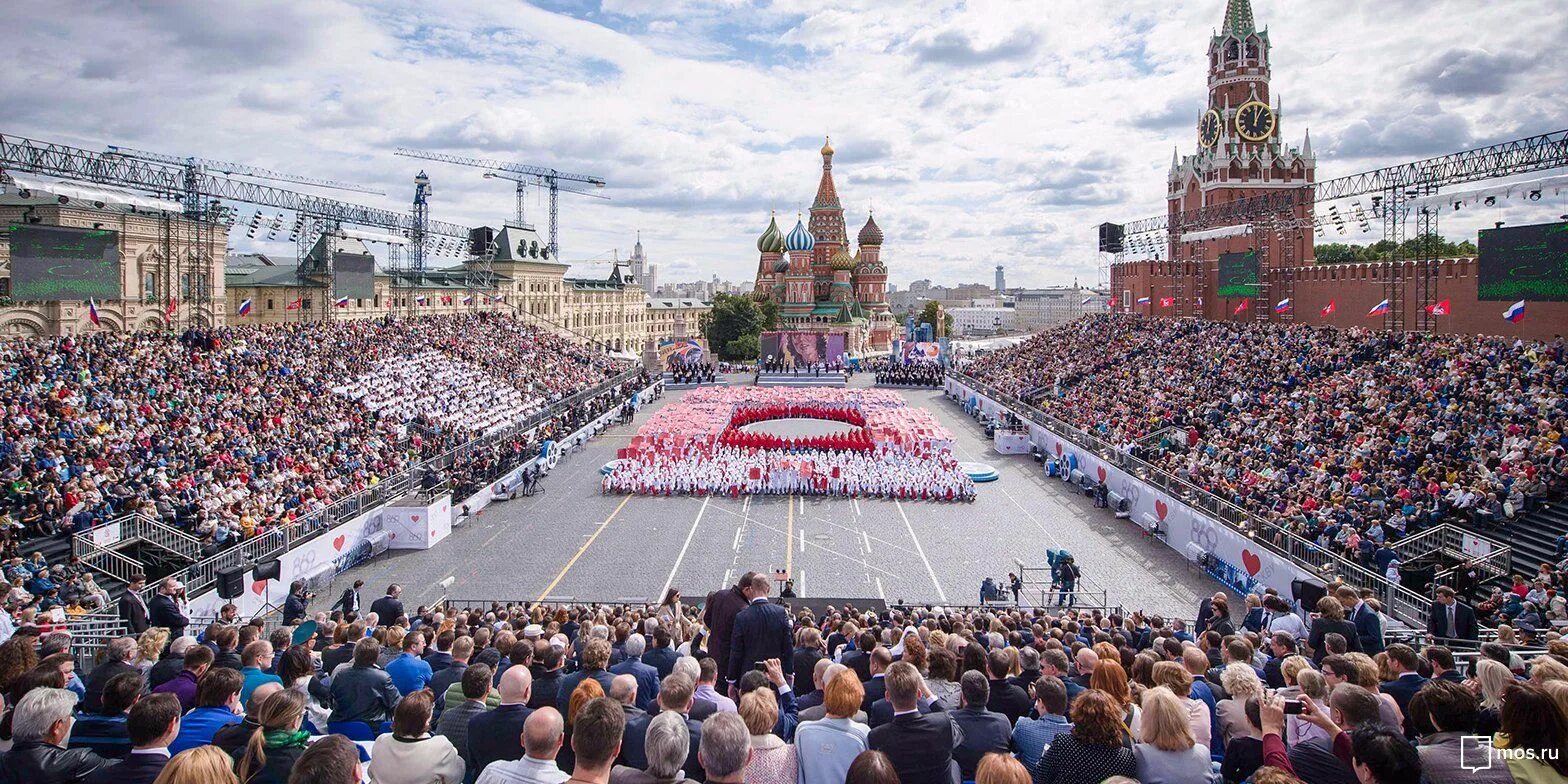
{"points": [[164, 610]]}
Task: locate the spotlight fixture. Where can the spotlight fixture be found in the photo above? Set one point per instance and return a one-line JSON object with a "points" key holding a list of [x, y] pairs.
{"points": [[1535, 195], [1491, 201]]}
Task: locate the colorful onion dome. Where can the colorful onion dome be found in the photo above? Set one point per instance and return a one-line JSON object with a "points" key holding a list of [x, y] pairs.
{"points": [[799, 239], [772, 240], [781, 266], [842, 260], [871, 233]]}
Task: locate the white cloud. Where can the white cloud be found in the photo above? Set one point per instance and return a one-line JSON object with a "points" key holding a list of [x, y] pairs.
{"points": [[984, 132]]}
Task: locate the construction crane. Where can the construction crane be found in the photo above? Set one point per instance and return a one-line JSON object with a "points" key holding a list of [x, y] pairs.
{"points": [[225, 167], [550, 178], [523, 182]]}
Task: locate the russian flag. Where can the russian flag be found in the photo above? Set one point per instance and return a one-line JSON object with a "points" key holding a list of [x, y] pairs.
{"points": [[341, 302], [468, 299], [1283, 306], [1379, 309], [1143, 300], [245, 307], [1086, 300], [92, 311], [421, 299], [1440, 308], [1514, 313]]}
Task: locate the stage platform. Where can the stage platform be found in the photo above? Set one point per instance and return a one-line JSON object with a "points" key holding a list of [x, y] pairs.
{"points": [[801, 380], [669, 382]]}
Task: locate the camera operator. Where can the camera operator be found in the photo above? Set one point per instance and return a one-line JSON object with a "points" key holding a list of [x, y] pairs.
{"points": [[295, 606]]}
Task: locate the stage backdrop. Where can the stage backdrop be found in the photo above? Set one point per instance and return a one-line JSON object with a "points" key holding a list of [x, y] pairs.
{"points": [[688, 351], [804, 346]]}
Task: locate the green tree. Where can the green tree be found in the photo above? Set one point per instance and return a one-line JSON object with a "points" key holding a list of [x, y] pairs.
{"points": [[928, 316], [770, 314], [733, 318], [743, 347], [1335, 253], [1382, 250]]}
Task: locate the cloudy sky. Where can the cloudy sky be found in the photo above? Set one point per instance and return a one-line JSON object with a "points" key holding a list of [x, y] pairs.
{"points": [[982, 132]]}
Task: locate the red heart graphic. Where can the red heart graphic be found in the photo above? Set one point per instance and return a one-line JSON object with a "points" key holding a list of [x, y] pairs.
{"points": [[1253, 563], [1161, 510], [432, 533], [1101, 472], [1058, 449], [337, 543], [258, 587], [393, 536], [415, 518]]}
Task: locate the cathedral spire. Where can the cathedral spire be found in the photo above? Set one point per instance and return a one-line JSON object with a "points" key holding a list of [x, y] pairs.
{"points": [[827, 194], [1238, 19]]}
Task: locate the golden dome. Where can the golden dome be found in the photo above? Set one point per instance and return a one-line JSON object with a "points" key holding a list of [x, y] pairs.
{"points": [[827, 146], [842, 260]]}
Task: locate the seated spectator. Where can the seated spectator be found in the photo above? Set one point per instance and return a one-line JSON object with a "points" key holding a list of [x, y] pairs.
{"points": [[706, 699], [919, 745], [666, 744], [409, 754], [1006, 698], [1350, 707], [1166, 751], [982, 731], [1032, 736], [1382, 756], [255, 663], [217, 706], [363, 692], [277, 742], [183, 685], [409, 672], [872, 767], [826, 747], [105, 732], [153, 723], [170, 662], [199, 765], [233, 738], [453, 724], [1094, 750], [1244, 752], [333, 759], [1001, 769], [725, 749], [596, 740], [40, 730], [772, 760], [1533, 728], [596, 657], [119, 656], [497, 734], [542, 735], [443, 680]]}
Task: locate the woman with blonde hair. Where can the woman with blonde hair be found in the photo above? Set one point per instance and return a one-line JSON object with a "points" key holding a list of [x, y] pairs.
{"points": [[1290, 669], [1544, 669], [1241, 683], [201, 765], [149, 647], [1297, 729], [1174, 676], [1168, 752], [1492, 679], [997, 768], [278, 741], [772, 760]]}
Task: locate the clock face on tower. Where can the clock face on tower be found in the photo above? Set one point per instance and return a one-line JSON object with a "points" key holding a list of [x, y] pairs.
{"points": [[1255, 121], [1209, 128]]}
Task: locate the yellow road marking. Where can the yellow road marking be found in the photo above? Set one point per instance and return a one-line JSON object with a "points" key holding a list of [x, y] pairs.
{"points": [[583, 549]]}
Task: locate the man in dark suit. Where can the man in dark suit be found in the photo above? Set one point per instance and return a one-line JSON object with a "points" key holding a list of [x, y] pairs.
{"points": [[876, 688], [152, 725], [1450, 618], [1441, 660], [1369, 627], [596, 656], [132, 609], [859, 659], [920, 746], [662, 655], [719, 616], [647, 677], [675, 695], [349, 601], [118, 654], [1406, 665], [983, 731], [1281, 647], [497, 734], [164, 610], [389, 608], [1005, 698], [761, 632], [882, 711]]}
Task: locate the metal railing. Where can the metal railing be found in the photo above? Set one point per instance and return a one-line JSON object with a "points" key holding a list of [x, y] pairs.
{"points": [[110, 562], [89, 633], [1496, 564], [138, 527], [1397, 600]]}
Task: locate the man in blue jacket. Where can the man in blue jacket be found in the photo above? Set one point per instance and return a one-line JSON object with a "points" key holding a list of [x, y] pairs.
{"points": [[633, 665]]}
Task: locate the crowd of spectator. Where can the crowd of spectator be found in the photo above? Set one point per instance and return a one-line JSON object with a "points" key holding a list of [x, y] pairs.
{"points": [[1347, 437], [903, 373], [747, 690]]}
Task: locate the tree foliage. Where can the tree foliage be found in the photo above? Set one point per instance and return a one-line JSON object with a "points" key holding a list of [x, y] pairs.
{"points": [[928, 316], [732, 320], [1427, 246]]}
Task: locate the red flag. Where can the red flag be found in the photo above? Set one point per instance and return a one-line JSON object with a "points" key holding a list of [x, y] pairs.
{"points": [[1240, 309], [171, 308], [1440, 308], [1166, 302], [298, 303], [1328, 310]]}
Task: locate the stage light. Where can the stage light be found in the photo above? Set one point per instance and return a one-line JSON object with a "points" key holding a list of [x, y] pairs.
{"points": [[1491, 201], [1535, 195]]}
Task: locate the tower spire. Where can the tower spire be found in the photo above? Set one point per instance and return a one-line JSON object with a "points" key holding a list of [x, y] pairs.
{"points": [[1238, 19]]}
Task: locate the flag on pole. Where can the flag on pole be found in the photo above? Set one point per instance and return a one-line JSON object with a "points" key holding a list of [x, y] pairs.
{"points": [[245, 307], [421, 299], [468, 299], [1086, 300], [1379, 309], [1200, 302], [1166, 302], [341, 302], [1143, 300], [1514, 313], [1328, 310], [298, 303], [1440, 308], [92, 311], [1283, 306], [169, 310], [1240, 309]]}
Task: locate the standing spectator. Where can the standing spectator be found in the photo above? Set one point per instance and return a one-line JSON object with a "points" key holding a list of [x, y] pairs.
{"points": [[40, 730], [132, 609], [333, 759], [1094, 751], [1032, 736], [596, 740], [363, 692], [718, 616], [724, 749], [919, 745], [297, 604], [165, 610], [453, 724], [761, 632], [277, 742], [1330, 620], [349, 601], [541, 739], [982, 731], [409, 754], [497, 734], [389, 608], [827, 747], [1167, 752], [772, 760], [409, 672], [1450, 618], [154, 722], [217, 706]]}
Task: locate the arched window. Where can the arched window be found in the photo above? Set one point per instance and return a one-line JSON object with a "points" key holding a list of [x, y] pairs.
{"points": [[1232, 50], [150, 285]]}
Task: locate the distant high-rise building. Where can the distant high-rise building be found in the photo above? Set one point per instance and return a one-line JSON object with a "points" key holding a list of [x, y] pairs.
{"points": [[642, 271], [1001, 280]]}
